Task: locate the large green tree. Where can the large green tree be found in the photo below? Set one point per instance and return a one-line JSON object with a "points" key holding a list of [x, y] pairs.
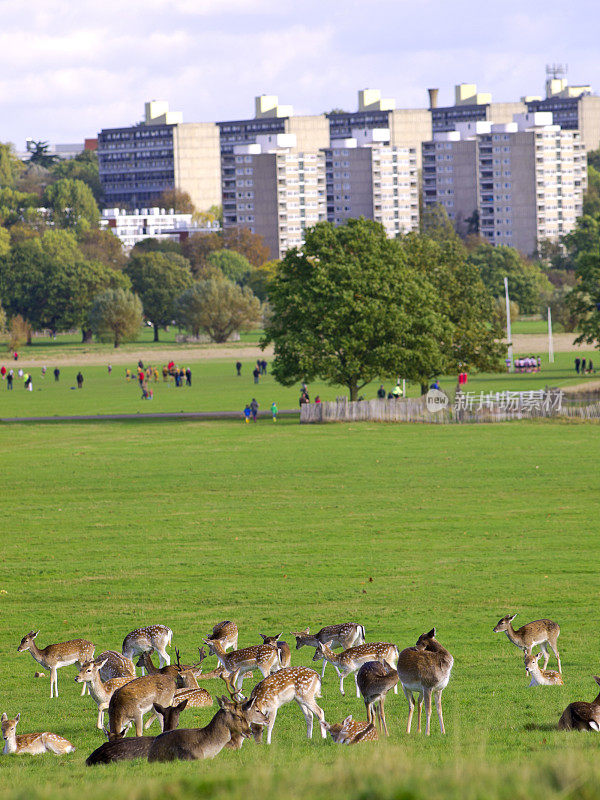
{"points": [[234, 266], [585, 298], [72, 202], [84, 167], [347, 309], [159, 279], [219, 307], [116, 315]]}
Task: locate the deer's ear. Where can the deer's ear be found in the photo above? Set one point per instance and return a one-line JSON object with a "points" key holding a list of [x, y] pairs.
{"points": [[159, 709], [347, 721], [279, 636], [431, 634], [4, 718], [18, 717], [181, 705], [102, 663], [510, 619]]}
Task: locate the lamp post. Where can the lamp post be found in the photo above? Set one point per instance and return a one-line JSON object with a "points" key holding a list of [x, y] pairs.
{"points": [[508, 333], [550, 342]]}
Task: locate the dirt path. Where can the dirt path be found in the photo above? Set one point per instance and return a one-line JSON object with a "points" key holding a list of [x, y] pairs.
{"points": [[537, 343]]}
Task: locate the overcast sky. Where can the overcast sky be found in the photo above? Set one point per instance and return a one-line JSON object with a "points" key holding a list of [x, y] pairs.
{"points": [[71, 67]]}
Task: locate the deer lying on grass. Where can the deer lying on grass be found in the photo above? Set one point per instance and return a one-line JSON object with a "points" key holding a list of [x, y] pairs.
{"points": [[100, 690], [541, 631], [374, 680], [130, 702], [225, 632], [54, 656], [135, 746], [142, 640], [32, 743], [349, 661], [233, 719], [285, 655], [264, 657], [582, 716], [346, 635], [115, 665], [351, 731], [194, 695], [541, 677], [425, 668]]}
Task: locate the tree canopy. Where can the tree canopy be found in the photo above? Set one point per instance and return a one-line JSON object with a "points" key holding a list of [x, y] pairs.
{"points": [[234, 266], [116, 315], [71, 202], [219, 307]]}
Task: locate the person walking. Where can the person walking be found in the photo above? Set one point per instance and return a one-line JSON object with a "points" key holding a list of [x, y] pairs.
{"points": [[256, 373], [254, 408], [3, 371], [9, 379], [577, 363], [590, 367], [247, 413], [238, 366], [583, 366], [274, 411], [188, 376], [263, 367], [381, 392], [27, 382], [79, 380], [109, 368]]}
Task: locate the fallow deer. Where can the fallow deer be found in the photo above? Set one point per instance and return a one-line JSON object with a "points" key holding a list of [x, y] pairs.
{"points": [[135, 746], [132, 701], [195, 696], [374, 680], [425, 668], [225, 632], [301, 684], [115, 666], [232, 719], [264, 657], [582, 716], [285, 655], [351, 731], [541, 677], [541, 631], [346, 635], [349, 661], [142, 640], [101, 691], [54, 656], [32, 743]]}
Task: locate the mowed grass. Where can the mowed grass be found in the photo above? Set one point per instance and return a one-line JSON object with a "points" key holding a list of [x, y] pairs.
{"points": [[216, 387], [109, 526]]}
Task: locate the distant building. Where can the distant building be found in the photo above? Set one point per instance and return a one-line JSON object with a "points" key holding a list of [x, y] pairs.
{"points": [[470, 106], [138, 163], [519, 182], [152, 223]]}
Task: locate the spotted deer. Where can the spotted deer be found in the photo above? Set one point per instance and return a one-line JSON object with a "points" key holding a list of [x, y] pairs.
{"points": [[32, 743], [115, 666], [425, 669], [351, 731], [374, 680], [544, 632], [582, 716], [195, 697], [130, 702], [346, 635], [541, 677], [285, 655], [301, 684], [54, 656], [100, 690], [142, 640], [264, 657], [349, 661], [225, 632]]}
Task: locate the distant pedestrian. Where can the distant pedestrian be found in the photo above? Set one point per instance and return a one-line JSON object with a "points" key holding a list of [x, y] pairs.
{"points": [[254, 409], [16, 356], [274, 411], [577, 363], [26, 381], [590, 366], [263, 367], [238, 366], [435, 385], [20, 372], [9, 379], [79, 380], [256, 373], [188, 376], [44, 371], [317, 399], [3, 371], [396, 392], [247, 413], [583, 366], [109, 368], [144, 388], [381, 392], [141, 364]]}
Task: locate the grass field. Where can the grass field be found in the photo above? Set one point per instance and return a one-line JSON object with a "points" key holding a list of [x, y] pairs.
{"points": [[216, 387], [110, 526]]}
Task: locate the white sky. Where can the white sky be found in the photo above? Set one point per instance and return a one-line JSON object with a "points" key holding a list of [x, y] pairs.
{"points": [[71, 67]]}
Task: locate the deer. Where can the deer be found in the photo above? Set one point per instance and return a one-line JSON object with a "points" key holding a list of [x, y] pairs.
{"points": [[130, 702], [544, 632], [351, 731], [285, 655], [301, 684], [348, 661], [425, 668], [135, 746], [54, 656], [233, 719], [31, 743], [142, 640], [374, 680], [582, 716], [227, 633], [195, 696], [116, 665], [264, 657], [101, 691], [346, 635], [541, 677]]}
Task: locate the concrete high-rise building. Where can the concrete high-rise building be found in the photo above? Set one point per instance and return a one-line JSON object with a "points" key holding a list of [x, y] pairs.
{"points": [[470, 106], [369, 177], [277, 191], [138, 163], [522, 182]]}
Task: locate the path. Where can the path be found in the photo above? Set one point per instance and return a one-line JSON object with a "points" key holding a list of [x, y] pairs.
{"points": [[198, 415]]}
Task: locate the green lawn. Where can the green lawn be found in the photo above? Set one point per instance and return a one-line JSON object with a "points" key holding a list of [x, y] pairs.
{"points": [[110, 526]]}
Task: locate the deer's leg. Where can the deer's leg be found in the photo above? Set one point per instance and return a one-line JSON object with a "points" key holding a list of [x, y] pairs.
{"points": [[544, 648], [554, 646], [382, 714], [271, 723], [236, 677], [150, 720], [53, 681], [356, 683], [369, 710], [419, 710], [342, 676], [163, 657], [319, 713], [438, 705], [101, 709], [411, 706], [139, 723], [308, 716], [324, 665], [427, 699]]}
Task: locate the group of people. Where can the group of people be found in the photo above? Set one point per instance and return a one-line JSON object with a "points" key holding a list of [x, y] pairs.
{"points": [[528, 364], [259, 369], [251, 411], [8, 375], [584, 366], [393, 394]]}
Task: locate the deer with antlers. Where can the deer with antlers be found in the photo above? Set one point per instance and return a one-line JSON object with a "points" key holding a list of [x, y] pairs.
{"points": [[350, 660], [54, 656], [152, 637], [346, 635], [264, 657], [31, 743], [101, 691]]}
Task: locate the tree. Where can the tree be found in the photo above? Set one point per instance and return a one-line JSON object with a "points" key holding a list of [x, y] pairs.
{"points": [[197, 248], [212, 214], [40, 154], [234, 266], [116, 315], [152, 245], [347, 310], [19, 332], [249, 244], [562, 303], [159, 279], [34, 179], [585, 298], [103, 246], [10, 166], [2, 320], [218, 307], [436, 224], [71, 202], [84, 167], [177, 200], [260, 278]]}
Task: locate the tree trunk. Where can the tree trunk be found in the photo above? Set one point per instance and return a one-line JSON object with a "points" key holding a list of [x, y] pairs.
{"points": [[86, 335], [353, 387], [29, 337], [156, 333], [424, 388]]}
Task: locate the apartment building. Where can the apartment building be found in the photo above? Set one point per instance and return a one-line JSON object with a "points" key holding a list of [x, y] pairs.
{"points": [[279, 191], [470, 106], [152, 223], [138, 163], [367, 176], [522, 182]]}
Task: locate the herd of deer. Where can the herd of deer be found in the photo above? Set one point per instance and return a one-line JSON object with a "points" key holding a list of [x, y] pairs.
{"points": [[110, 678]]}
